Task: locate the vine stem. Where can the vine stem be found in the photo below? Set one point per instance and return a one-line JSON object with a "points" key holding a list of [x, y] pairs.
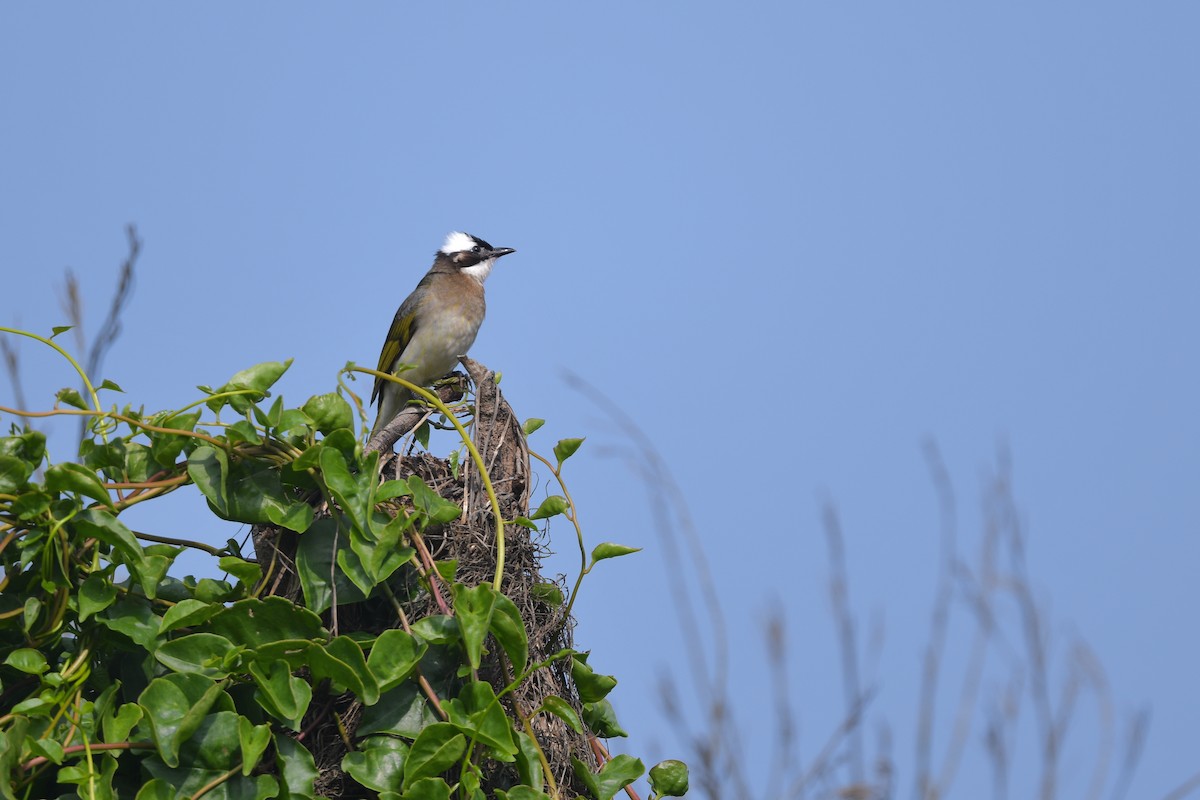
{"points": [[583, 568], [436, 402], [50, 343]]}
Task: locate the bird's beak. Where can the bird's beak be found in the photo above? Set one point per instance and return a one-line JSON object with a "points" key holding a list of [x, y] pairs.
{"points": [[501, 251]]}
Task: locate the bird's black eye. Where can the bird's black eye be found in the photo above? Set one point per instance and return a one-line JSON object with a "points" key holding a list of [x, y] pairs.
{"points": [[475, 249]]}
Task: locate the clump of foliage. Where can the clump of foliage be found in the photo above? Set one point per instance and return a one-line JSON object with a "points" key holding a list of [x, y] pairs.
{"points": [[120, 679]]}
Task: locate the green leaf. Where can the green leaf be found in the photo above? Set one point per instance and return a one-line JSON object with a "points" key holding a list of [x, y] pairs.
{"points": [[95, 594], [253, 622], [352, 492], [421, 434], [669, 778], [592, 687], [243, 431], [549, 593], [71, 477], [389, 490], [612, 778], [198, 653], [379, 763], [433, 506], [297, 769], [107, 384], [551, 506], [473, 608], [188, 612], [561, 709], [343, 662], [509, 630], [258, 378], [403, 711], [610, 550], [57, 329], [437, 629], [329, 412], [281, 694], [166, 447], [174, 706], [566, 448], [532, 424], [71, 397], [316, 552], [27, 660], [134, 618], [117, 727], [601, 718], [478, 714], [13, 474], [427, 789], [437, 749], [526, 523], [253, 740], [393, 657], [246, 572], [529, 765], [522, 793]]}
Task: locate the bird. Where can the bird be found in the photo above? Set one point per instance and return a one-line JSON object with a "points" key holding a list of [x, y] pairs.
{"points": [[437, 323]]}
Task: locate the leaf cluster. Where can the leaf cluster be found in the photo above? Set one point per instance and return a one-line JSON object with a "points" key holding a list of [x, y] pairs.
{"points": [[120, 679]]}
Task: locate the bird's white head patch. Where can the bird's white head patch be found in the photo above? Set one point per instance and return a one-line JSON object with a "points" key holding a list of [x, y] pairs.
{"points": [[457, 242]]}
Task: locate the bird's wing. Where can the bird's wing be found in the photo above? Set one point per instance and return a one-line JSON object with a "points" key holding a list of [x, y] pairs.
{"points": [[399, 335]]}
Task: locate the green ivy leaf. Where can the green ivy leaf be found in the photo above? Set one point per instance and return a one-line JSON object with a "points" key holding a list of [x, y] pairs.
{"points": [[427, 789], [174, 706], [27, 660], [71, 397], [253, 622], [561, 709], [549, 593], [281, 694], [379, 763], [393, 657], [96, 593], [71, 477], [329, 412], [166, 447], [521, 793], [529, 766], [437, 749], [601, 718], [297, 769], [343, 662], [134, 618], [592, 686], [111, 386], [473, 608], [669, 778], [258, 379], [246, 572], [614, 776], [197, 653], [565, 449], [13, 473], [433, 506], [118, 726], [610, 550], [478, 714], [532, 424], [254, 740], [403, 711], [185, 613], [509, 630], [551, 506]]}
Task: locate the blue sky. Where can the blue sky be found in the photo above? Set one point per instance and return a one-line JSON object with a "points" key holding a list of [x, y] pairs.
{"points": [[793, 240]]}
